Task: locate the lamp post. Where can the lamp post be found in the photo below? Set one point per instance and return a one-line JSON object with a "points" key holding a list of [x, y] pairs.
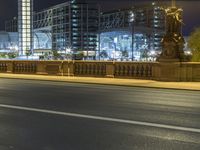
{"points": [[132, 21], [68, 53], [132, 44]]}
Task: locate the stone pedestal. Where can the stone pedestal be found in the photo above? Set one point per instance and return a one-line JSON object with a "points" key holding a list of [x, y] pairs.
{"points": [[68, 68], [110, 69], [172, 48], [10, 67], [173, 41], [169, 71]]}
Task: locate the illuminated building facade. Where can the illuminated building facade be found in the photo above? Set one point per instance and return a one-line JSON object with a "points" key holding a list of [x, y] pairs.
{"points": [[72, 25], [81, 27], [131, 33], [25, 26], [8, 41]]}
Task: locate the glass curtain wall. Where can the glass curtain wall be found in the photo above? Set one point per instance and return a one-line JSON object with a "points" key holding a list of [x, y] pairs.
{"points": [[117, 45]]}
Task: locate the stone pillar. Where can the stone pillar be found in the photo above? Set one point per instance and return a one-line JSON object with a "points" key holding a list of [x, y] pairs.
{"points": [[170, 71], [9, 66], [41, 68], [110, 69], [68, 68]]}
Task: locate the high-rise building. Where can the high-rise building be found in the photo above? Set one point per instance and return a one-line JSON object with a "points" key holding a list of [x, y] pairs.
{"points": [[78, 27], [133, 32], [25, 26], [73, 25]]}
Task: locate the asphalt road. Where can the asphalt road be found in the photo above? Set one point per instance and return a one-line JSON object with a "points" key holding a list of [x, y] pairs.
{"points": [[42, 115]]}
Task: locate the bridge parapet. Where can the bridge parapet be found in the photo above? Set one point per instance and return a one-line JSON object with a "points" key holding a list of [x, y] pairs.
{"points": [[163, 71]]}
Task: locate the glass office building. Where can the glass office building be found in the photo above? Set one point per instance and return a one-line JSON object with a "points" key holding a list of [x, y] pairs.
{"points": [[132, 33], [72, 25], [79, 27], [25, 26]]}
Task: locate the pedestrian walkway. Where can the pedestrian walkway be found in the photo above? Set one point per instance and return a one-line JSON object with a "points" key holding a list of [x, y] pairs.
{"points": [[109, 81]]}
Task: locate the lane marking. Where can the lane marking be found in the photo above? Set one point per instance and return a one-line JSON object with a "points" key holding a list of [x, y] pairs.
{"points": [[195, 130]]}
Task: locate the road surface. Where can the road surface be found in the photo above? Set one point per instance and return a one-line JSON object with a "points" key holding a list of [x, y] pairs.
{"points": [[44, 115]]}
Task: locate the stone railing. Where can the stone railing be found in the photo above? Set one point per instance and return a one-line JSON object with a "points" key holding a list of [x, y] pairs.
{"points": [[24, 67], [134, 70], [164, 71], [3, 66], [90, 69]]}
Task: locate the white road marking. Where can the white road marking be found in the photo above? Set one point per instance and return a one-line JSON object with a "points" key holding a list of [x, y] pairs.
{"points": [[195, 130]]}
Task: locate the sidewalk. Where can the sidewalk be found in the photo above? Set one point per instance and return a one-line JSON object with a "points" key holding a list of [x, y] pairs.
{"points": [[109, 81]]}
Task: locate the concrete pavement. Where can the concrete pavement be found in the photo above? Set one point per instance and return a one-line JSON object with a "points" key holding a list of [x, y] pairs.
{"points": [[108, 81]]}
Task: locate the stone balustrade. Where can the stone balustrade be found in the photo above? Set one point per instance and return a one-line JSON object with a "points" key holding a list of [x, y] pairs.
{"points": [[3, 66], [90, 68], [134, 70], [163, 71], [24, 67]]}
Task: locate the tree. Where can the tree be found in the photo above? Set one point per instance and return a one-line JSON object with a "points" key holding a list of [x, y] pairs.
{"points": [[194, 44], [124, 54], [28, 53], [103, 54], [145, 54], [79, 55], [2, 55], [12, 55], [56, 55]]}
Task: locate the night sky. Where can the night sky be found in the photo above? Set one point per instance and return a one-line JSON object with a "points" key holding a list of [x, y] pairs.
{"points": [[8, 9]]}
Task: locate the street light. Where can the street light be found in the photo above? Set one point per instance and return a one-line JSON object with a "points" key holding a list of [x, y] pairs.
{"points": [[68, 51], [115, 46], [132, 21]]}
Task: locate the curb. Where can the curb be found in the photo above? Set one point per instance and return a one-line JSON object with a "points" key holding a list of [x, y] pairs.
{"points": [[97, 83]]}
